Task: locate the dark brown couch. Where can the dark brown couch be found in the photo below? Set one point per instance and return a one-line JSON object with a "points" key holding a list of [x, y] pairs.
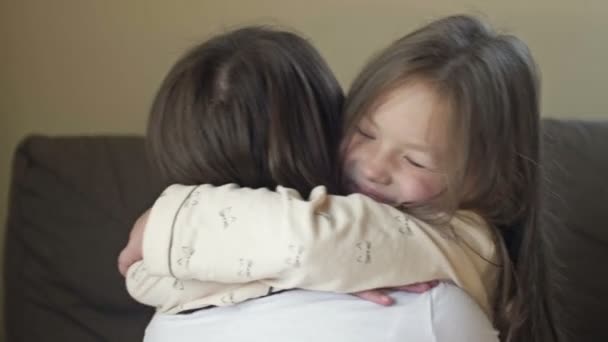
{"points": [[74, 199]]}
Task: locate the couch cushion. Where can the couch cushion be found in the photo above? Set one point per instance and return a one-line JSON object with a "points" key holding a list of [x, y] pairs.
{"points": [[575, 226], [73, 201]]}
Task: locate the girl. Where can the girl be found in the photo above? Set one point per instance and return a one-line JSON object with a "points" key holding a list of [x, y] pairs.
{"points": [[444, 120]]}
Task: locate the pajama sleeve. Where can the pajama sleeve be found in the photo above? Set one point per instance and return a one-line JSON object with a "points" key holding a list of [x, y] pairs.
{"points": [[171, 295], [235, 235]]}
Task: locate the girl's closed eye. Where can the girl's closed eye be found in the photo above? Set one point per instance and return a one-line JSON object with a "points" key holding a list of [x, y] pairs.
{"points": [[365, 134], [423, 161], [414, 163]]}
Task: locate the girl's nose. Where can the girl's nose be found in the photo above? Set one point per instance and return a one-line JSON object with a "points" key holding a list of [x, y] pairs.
{"points": [[376, 170]]}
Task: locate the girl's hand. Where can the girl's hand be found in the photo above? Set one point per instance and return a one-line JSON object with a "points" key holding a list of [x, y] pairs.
{"points": [[381, 297], [133, 252]]}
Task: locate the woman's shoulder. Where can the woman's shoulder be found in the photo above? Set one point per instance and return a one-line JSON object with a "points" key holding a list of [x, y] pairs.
{"points": [[457, 317]]}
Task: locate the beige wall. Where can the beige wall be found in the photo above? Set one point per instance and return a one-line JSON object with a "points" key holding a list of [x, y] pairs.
{"points": [[73, 66]]}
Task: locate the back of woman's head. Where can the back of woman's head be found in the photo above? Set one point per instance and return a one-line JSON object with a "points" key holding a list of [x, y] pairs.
{"points": [[488, 84], [255, 106]]}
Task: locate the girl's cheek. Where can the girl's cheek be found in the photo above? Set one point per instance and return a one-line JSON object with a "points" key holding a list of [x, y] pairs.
{"points": [[427, 190], [435, 184], [421, 188]]}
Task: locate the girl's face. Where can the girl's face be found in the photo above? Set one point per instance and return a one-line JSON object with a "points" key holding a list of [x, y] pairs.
{"points": [[394, 154]]}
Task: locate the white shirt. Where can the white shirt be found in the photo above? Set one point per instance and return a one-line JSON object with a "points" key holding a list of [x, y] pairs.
{"points": [[445, 313]]}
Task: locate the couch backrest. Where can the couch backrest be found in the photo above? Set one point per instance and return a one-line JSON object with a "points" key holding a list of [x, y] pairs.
{"points": [[73, 201], [575, 226]]}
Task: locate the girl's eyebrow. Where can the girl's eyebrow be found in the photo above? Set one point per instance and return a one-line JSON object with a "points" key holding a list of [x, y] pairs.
{"points": [[419, 147]]}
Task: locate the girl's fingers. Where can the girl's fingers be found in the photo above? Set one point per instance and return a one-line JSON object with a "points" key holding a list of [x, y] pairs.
{"points": [[375, 296]]}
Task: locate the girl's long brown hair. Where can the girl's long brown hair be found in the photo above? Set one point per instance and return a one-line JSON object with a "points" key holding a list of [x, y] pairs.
{"points": [[490, 85]]}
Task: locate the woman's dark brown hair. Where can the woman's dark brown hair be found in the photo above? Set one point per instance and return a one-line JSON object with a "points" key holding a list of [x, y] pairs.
{"points": [[489, 83], [255, 106]]}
